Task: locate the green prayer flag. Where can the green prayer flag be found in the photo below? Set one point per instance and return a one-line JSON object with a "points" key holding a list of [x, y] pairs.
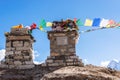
{"points": [[43, 23], [79, 23], [118, 27]]}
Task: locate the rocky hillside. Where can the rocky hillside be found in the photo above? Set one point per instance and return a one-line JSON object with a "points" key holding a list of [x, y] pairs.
{"points": [[88, 72]]}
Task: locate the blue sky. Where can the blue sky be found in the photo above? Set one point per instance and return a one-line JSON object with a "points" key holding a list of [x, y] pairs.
{"points": [[97, 46]]}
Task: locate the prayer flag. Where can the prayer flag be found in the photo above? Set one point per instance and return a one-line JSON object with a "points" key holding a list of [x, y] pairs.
{"points": [[88, 22], [79, 22], [111, 23], [43, 23], [49, 24], [96, 22], [18, 26], [104, 22], [118, 24], [41, 28], [33, 26], [75, 19]]}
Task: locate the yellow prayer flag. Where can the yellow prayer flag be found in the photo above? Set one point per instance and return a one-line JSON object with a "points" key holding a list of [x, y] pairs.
{"points": [[48, 24], [41, 28], [18, 26], [88, 22], [108, 26]]}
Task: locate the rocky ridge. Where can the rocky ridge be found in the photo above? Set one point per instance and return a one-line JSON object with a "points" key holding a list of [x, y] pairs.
{"points": [[88, 72]]}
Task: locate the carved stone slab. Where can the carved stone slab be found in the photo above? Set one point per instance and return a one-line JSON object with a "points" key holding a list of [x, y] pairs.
{"points": [[62, 40]]}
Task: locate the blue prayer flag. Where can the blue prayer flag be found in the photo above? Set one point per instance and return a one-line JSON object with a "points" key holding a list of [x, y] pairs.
{"points": [[96, 22]]}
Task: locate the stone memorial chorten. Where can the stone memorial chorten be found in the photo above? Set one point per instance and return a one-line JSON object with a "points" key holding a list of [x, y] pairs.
{"points": [[19, 48], [63, 38]]}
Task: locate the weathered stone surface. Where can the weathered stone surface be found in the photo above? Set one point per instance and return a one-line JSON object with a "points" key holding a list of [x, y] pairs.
{"points": [[19, 31], [3, 66], [26, 44], [71, 49], [22, 48], [28, 62], [62, 48], [58, 61], [17, 62], [25, 66], [9, 49], [62, 40], [39, 72], [17, 52], [9, 53], [18, 57], [18, 45], [19, 49], [49, 61], [59, 34], [53, 64], [8, 44], [18, 38]]}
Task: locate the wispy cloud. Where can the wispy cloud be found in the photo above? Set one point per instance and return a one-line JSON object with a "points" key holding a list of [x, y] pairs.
{"points": [[104, 63], [85, 61], [37, 62], [35, 54], [2, 54]]}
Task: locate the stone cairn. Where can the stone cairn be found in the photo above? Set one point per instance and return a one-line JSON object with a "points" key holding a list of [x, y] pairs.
{"points": [[63, 38], [62, 49], [18, 53]]}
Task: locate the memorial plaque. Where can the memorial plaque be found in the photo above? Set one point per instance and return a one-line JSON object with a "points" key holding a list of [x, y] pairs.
{"points": [[62, 41]]}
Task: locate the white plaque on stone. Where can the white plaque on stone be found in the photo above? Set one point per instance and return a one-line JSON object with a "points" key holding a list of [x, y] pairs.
{"points": [[62, 41]]}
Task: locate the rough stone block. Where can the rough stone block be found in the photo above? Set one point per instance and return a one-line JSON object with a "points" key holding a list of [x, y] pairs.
{"points": [[17, 52], [43, 64], [58, 61], [54, 54], [53, 64], [9, 53], [69, 60], [22, 48], [18, 45], [28, 62], [15, 42], [71, 50], [26, 44], [18, 38], [69, 64], [74, 57], [26, 57], [3, 66], [17, 62], [11, 66], [63, 50], [18, 57], [49, 61], [8, 44], [9, 62], [9, 49], [25, 66], [59, 34]]}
